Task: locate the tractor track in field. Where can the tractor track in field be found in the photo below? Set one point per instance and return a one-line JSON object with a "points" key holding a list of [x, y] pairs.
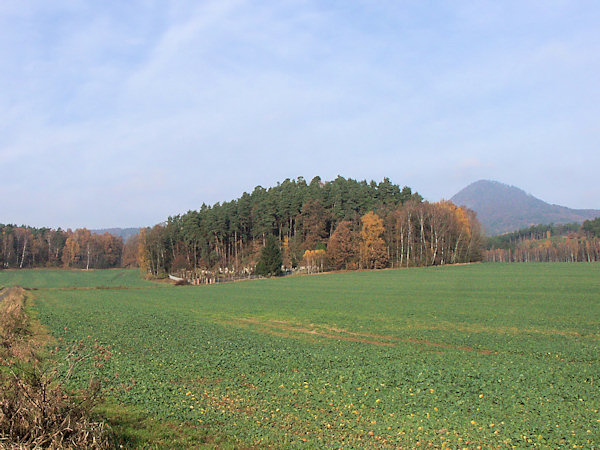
{"points": [[282, 329], [312, 331]]}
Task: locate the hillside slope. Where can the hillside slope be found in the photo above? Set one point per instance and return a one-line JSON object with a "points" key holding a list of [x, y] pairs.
{"points": [[502, 208]]}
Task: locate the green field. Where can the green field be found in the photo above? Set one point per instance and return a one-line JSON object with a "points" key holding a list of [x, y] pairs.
{"points": [[57, 278], [459, 356]]}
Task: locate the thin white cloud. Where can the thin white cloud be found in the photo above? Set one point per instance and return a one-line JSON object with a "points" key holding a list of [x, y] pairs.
{"points": [[200, 101]]}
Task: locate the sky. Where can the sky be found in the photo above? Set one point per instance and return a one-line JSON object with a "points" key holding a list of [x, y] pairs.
{"points": [[121, 113]]}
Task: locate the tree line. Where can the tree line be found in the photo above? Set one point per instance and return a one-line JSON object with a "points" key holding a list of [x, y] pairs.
{"points": [[339, 224], [27, 247], [547, 243]]}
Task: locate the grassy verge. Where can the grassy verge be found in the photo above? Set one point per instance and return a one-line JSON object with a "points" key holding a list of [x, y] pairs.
{"points": [[135, 429]]}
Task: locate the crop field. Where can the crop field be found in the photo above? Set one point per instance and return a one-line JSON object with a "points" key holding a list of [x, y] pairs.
{"points": [[488, 354], [57, 278]]}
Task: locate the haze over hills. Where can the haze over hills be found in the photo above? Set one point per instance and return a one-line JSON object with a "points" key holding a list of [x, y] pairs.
{"points": [[502, 208], [124, 233]]}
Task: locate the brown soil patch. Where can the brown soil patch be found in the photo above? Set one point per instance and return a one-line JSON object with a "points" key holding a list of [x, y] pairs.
{"points": [[283, 329], [416, 341], [297, 329]]}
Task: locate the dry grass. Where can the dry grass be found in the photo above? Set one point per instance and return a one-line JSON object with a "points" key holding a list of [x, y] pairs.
{"points": [[35, 409], [14, 332]]}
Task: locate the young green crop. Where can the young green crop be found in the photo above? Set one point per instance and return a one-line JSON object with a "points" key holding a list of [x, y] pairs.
{"points": [[58, 278], [459, 356]]}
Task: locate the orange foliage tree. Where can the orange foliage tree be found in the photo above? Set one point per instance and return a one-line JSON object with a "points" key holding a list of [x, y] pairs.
{"points": [[373, 251], [342, 247], [70, 254], [314, 260]]}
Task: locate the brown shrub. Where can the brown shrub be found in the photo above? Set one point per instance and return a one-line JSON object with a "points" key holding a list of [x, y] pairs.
{"points": [[13, 322], [35, 410]]}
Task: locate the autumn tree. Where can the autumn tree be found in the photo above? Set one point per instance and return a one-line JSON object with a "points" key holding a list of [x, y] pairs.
{"points": [[314, 260], [476, 238], [286, 253], [373, 252], [39, 250], [23, 238], [142, 253], [342, 247], [83, 238], [130, 251], [106, 251], [154, 254], [71, 250], [7, 246], [24, 247]]}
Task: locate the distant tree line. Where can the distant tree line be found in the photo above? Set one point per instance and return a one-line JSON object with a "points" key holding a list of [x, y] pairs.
{"points": [[27, 247], [535, 232], [547, 243], [592, 227], [340, 224]]}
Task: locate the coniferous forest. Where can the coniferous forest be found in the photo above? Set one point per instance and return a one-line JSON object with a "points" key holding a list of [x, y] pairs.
{"points": [[340, 224]]}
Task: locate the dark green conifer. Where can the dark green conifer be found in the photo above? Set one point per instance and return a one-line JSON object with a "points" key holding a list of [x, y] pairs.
{"points": [[270, 261]]}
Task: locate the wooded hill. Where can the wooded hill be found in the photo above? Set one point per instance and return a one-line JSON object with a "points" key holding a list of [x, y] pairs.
{"points": [[340, 224], [502, 208]]}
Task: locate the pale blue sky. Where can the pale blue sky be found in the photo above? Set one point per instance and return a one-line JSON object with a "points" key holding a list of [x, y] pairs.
{"points": [[120, 113]]}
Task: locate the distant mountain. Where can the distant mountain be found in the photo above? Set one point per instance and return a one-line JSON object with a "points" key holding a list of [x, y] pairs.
{"points": [[502, 208], [124, 233]]}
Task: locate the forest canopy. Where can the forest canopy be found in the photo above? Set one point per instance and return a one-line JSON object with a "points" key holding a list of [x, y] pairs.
{"points": [[339, 224]]}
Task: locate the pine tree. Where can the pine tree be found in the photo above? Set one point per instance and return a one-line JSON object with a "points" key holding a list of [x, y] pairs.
{"points": [[270, 260]]}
